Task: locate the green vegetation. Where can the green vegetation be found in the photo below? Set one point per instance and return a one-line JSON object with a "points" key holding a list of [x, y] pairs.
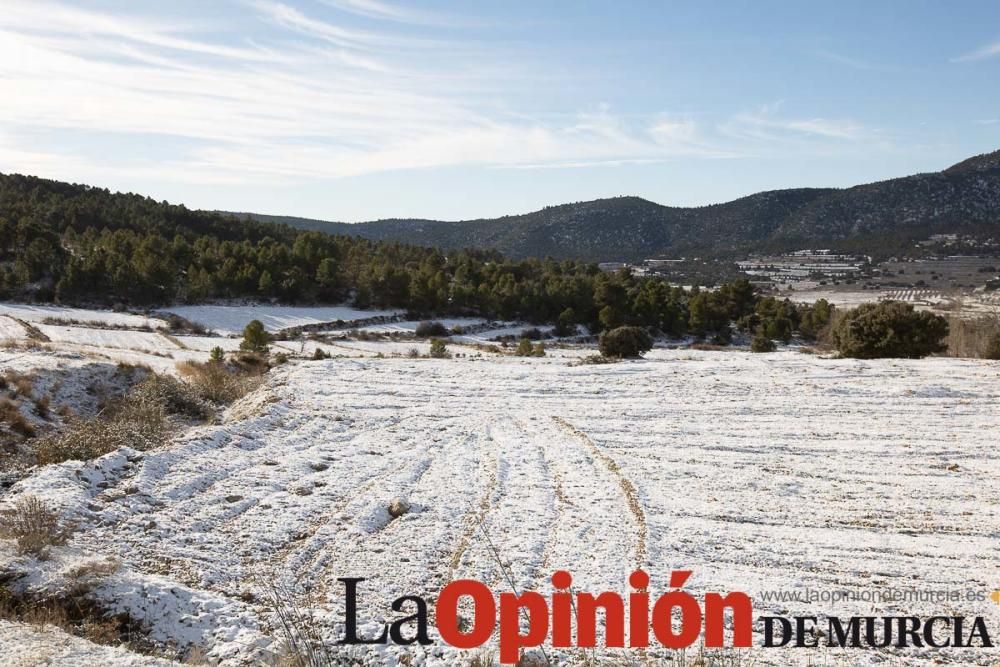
{"points": [[762, 343], [439, 349], [73, 243], [255, 338], [889, 329], [526, 349], [625, 342]]}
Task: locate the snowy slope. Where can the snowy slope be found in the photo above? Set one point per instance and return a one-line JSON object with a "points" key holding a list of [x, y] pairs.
{"points": [[38, 313], [231, 319], [757, 472]]}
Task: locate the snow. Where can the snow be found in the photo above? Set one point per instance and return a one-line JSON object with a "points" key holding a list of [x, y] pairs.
{"points": [[38, 313], [232, 319], [141, 341], [410, 326], [486, 337], [757, 472], [23, 645], [11, 329]]}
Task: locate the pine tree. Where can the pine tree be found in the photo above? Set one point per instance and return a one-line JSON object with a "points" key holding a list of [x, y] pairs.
{"points": [[255, 338]]}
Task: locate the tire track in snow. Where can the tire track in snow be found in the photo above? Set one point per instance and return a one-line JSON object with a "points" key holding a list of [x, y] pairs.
{"points": [[475, 517], [627, 488], [519, 516]]}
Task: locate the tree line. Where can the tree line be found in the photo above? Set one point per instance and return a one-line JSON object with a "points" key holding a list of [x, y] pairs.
{"points": [[79, 244]]}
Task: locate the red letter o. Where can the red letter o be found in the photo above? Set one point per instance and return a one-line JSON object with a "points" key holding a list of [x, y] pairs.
{"points": [[484, 617]]}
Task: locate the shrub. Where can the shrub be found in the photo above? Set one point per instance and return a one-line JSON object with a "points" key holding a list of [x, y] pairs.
{"points": [[413, 353], [33, 526], [320, 354], [176, 323], [218, 384], [14, 419], [217, 355], [255, 338], [178, 398], [427, 329], [566, 325], [279, 359], [974, 337], [761, 343], [538, 350], [523, 348], [139, 422], [889, 329], [439, 350], [625, 342], [992, 350]]}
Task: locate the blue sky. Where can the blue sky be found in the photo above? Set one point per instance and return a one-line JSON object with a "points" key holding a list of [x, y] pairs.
{"points": [[364, 109]]}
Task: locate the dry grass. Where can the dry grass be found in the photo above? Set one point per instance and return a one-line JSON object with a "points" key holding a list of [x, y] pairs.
{"points": [[20, 384], [12, 417], [70, 613], [177, 398], [33, 526], [136, 422], [219, 383], [303, 644]]}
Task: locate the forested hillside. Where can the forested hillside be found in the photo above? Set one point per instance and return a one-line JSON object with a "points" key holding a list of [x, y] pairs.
{"points": [[879, 219], [74, 243]]}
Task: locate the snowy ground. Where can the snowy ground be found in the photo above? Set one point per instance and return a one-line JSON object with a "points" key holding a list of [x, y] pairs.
{"points": [[39, 313], [760, 473], [231, 319]]}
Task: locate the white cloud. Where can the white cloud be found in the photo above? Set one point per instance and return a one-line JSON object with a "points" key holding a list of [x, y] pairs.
{"points": [[767, 125], [983, 53], [308, 99], [377, 9]]}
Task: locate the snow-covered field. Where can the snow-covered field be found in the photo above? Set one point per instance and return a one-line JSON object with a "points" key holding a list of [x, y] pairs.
{"points": [[231, 319], [39, 313], [760, 473]]}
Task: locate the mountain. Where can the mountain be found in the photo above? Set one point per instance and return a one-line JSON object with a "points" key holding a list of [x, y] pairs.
{"points": [[886, 217]]}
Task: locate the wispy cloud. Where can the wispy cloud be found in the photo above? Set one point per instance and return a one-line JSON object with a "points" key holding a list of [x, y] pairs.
{"points": [[311, 97], [983, 53], [853, 62], [766, 124], [377, 9]]}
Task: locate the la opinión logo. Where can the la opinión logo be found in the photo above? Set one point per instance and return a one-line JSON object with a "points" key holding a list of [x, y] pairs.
{"points": [[530, 619], [676, 620]]}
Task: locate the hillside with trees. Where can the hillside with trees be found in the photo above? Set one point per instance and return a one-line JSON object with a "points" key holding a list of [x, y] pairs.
{"points": [[79, 244], [879, 219]]}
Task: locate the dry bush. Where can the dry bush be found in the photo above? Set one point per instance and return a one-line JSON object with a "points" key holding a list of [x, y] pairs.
{"points": [[19, 383], [140, 423], [973, 337], [96, 568], [177, 398], [303, 644], [708, 347], [42, 406], [595, 359], [218, 383], [72, 614], [21, 345], [484, 659], [33, 526], [14, 419]]}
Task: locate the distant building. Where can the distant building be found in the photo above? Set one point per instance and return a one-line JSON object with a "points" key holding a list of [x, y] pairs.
{"points": [[611, 266]]}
